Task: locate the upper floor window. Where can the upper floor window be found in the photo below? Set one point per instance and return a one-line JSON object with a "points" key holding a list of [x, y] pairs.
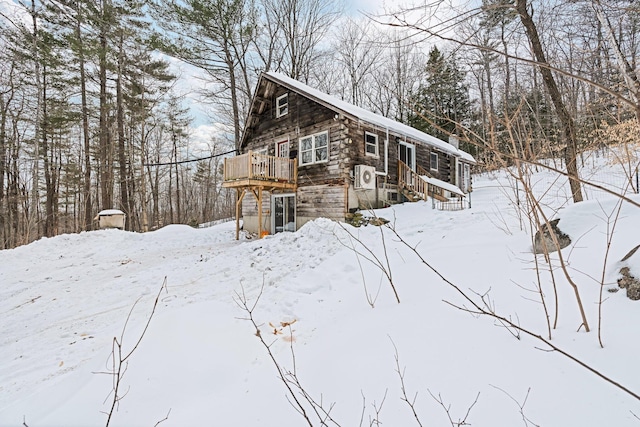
{"points": [[314, 148], [370, 144], [282, 105], [434, 161]]}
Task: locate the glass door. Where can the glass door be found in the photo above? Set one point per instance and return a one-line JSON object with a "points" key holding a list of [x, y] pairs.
{"points": [[284, 213]]}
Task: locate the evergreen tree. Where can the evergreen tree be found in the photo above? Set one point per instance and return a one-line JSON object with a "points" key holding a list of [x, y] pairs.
{"points": [[213, 35], [442, 100]]}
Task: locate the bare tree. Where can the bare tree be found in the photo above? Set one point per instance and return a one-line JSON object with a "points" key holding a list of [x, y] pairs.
{"points": [[568, 124], [358, 51], [300, 26]]}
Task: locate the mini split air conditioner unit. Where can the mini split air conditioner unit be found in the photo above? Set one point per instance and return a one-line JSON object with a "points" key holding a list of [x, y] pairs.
{"points": [[365, 177]]}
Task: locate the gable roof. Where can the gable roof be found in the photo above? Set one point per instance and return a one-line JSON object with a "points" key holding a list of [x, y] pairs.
{"points": [[364, 115]]}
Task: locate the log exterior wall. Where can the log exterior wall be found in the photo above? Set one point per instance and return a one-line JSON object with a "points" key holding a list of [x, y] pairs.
{"points": [[326, 189]]}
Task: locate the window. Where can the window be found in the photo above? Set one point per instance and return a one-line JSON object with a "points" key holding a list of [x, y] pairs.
{"points": [[282, 148], [314, 148], [370, 144], [282, 105], [434, 161]]}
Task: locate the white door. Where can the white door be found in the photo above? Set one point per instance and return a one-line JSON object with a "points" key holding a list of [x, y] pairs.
{"points": [[407, 154], [463, 176]]}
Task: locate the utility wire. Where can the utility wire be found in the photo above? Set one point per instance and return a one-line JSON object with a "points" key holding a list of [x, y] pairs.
{"points": [[189, 161]]}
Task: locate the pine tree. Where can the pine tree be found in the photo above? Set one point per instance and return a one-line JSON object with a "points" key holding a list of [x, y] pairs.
{"points": [[442, 101], [213, 35]]}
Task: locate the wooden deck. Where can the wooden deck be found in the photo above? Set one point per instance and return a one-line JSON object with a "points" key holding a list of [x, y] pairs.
{"points": [[253, 170], [256, 173]]}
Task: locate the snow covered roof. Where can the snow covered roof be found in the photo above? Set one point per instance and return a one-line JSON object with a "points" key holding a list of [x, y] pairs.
{"points": [[367, 116], [110, 212], [443, 184]]}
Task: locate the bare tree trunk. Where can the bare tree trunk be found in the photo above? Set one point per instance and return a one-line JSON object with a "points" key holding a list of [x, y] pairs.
{"points": [[491, 113], [86, 189], [4, 157], [565, 118], [48, 179], [4, 105], [626, 69], [122, 155], [106, 188], [35, 198], [174, 137], [143, 182]]}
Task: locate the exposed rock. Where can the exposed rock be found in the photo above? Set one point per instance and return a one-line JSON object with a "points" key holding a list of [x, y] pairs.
{"points": [[628, 281], [357, 219], [378, 221], [543, 238]]}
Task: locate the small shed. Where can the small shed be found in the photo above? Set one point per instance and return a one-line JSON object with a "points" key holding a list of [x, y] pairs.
{"points": [[111, 218]]}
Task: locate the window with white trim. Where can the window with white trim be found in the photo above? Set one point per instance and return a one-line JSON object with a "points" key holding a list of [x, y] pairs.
{"points": [[371, 144], [434, 161], [314, 148], [282, 105]]}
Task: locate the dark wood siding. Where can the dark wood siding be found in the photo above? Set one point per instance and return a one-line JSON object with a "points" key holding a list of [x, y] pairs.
{"points": [[304, 115], [323, 188]]}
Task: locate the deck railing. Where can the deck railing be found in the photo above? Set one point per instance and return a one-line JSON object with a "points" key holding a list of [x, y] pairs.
{"points": [[411, 180], [254, 166]]}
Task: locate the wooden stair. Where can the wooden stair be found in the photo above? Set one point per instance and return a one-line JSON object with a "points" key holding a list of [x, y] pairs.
{"points": [[411, 195], [410, 185], [414, 188]]}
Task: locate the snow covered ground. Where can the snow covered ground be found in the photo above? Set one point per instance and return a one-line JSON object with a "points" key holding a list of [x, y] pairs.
{"points": [[64, 299]]}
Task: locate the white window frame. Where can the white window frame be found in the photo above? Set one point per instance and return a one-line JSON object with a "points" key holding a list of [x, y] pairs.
{"points": [[313, 149], [282, 108], [433, 153], [273, 215], [367, 144]]}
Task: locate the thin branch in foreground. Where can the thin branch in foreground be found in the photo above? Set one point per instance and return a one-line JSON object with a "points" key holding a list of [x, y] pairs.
{"points": [[289, 379], [478, 309], [403, 387], [447, 409], [120, 363], [164, 419], [525, 419], [378, 408]]}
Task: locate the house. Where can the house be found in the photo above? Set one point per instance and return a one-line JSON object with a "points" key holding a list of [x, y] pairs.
{"points": [[306, 154]]}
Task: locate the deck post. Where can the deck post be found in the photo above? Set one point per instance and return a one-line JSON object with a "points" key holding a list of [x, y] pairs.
{"points": [[241, 193], [259, 212]]}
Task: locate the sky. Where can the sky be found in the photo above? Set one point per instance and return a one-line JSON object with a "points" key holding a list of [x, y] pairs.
{"points": [[323, 303]]}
